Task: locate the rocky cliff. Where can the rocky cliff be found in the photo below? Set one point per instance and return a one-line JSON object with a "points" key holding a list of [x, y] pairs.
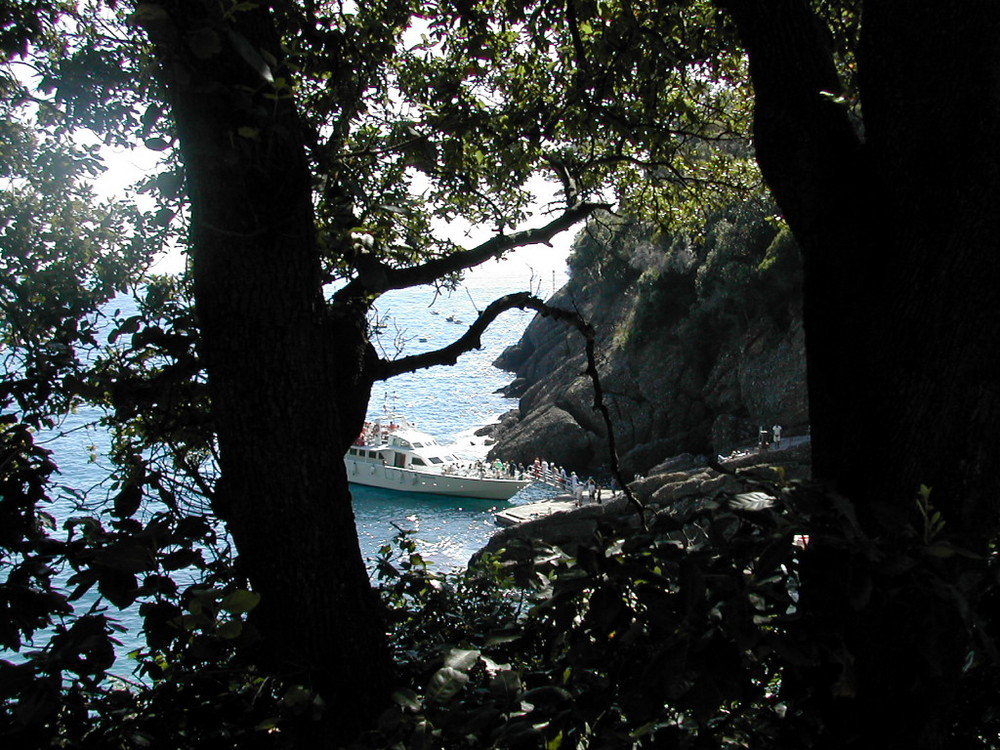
{"points": [[699, 343]]}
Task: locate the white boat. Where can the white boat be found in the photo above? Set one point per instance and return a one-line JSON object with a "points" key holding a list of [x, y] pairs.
{"points": [[394, 455]]}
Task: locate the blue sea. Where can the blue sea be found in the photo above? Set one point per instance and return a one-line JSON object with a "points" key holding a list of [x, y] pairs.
{"points": [[450, 403]]}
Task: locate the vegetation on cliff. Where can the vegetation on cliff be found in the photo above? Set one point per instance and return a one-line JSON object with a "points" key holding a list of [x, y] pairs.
{"points": [[738, 265]]}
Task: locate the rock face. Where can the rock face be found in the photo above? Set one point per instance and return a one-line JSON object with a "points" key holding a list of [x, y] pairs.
{"points": [[694, 355]]}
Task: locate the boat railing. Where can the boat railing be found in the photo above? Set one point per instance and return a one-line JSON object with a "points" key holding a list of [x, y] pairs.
{"points": [[552, 476]]}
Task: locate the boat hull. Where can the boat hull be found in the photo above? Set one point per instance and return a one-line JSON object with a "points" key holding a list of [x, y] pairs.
{"points": [[407, 480]]}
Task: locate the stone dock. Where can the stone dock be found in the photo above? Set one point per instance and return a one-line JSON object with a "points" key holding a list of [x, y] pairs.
{"points": [[519, 514]]}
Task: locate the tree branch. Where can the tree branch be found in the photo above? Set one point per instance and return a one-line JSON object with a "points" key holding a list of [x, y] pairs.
{"points": [[384, 278], [472, 339]]}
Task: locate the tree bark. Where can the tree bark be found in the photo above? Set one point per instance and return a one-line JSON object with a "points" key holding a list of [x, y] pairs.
{"points": [[814, 164], [932, 121], [286, 377], [899, 235]]}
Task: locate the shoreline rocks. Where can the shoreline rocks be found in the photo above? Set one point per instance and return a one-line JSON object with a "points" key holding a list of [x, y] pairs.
{"points": [[667, 489]]}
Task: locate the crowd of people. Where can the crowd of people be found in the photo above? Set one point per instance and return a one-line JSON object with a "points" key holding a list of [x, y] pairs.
{"points": [[539, 471], [557, 476]]}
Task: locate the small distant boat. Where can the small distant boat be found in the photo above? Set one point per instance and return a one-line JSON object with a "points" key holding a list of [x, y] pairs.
{"points": [[393, 454]]}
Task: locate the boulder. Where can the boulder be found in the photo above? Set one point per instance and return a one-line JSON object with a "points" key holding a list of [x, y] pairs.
{"points": [[549, 433]]}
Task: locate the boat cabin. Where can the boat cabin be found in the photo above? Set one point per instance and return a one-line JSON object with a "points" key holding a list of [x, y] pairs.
{"points": [[406, 449]]}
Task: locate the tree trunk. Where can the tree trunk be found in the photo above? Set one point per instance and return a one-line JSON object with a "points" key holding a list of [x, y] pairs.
{"points": [[287, 379], [932, 122], [899, 237]]}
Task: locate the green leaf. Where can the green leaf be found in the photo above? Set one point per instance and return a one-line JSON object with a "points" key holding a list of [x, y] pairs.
{"points": [[230, 629], [128, 555], [182, 558], [940, 549], [127, 501], [163, 217], [446, 683], [407, 699], [506, 636], [118, 587], [506, 687], [461, 659], [296, 696], [156, 144], [240, 602], [547, 695]]}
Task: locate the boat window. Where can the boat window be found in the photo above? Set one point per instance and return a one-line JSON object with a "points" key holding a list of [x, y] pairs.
{"points": [[436, 460], [418, 462], [372, 454], [418, 445]]}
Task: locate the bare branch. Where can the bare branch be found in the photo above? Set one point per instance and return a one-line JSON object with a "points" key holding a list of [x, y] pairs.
{"points": [[588, 334], [471, 339], [426, 273]]}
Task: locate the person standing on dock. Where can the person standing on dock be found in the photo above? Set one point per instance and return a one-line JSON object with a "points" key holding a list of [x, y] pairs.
{"points": [[765, 439]]}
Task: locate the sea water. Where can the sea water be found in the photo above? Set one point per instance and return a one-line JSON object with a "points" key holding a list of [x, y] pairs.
{"points": [[448, 402], [451, 403]]}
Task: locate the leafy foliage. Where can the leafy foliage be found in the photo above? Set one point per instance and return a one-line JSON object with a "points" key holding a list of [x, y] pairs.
{"points": [[192, 689], [725, 625], [65, 253]]}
